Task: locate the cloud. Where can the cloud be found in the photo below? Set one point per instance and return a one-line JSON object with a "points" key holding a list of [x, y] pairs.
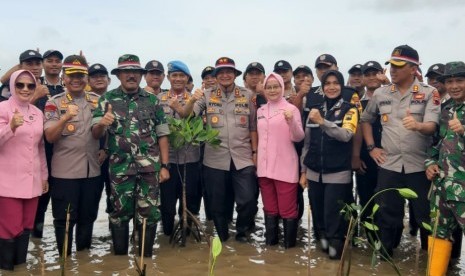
{"points": [[400, 6]]}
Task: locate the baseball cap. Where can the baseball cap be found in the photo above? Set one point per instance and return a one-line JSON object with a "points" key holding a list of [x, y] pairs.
{"points": [[29, 54], [371, 65], [207, 71], [437, 68], [53, 52], [356, 68], [255, 65], [97, 68], [282, 65], [403, 54], [75, 64], [325, 59], [154, 65], [302, 68]]}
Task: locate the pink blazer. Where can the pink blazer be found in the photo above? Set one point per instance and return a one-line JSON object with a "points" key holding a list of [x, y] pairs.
{"points": [[23, 166], [277, 158]]}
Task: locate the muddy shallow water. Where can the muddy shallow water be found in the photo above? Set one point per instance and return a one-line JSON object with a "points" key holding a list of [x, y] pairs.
{"points": [[253, 258]]}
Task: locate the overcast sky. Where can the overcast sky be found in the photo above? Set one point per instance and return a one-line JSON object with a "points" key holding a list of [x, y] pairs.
{"points": [[199, 32]]}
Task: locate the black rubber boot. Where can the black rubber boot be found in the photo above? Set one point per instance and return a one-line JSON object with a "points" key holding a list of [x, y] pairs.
{"points": [[120, 237], [290, 232], [150, 233], [457, 245], [335, 249], [272, 230], [21, 245], [389, 237], [7, 254], [60, 236], [168, 224], [84, 236]]}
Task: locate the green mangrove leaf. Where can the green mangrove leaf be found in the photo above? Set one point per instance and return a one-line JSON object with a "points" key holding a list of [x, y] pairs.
{"points": [[407, 193], [216, 247], [374, 210], [370, 226], [427, 226]]}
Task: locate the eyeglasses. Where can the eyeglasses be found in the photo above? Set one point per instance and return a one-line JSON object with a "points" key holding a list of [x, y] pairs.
{"points": [[21, 85]]}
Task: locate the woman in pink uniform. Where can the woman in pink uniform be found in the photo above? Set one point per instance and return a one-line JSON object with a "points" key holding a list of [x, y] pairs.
{"points": [[23, 168], [279, 126]]}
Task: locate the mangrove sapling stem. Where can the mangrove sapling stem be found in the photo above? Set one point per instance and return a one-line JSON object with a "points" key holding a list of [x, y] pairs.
{"points": [[345, 248], [309, 241], [431, 248]]}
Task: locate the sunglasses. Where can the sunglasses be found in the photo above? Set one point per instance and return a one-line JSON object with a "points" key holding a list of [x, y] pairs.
{"points": [[21, 85]]}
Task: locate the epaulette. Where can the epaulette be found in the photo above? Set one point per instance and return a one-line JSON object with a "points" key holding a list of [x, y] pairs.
{"points": [[93, 94], [58, 96]]}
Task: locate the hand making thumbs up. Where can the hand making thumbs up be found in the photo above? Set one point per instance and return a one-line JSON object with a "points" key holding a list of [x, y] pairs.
{"points": [[17, 120], [455, 125], [108, 118], [409, 122]]}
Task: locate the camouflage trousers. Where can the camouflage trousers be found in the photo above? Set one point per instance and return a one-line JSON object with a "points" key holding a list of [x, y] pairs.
{"points": [[451, 214], [135, 196]]}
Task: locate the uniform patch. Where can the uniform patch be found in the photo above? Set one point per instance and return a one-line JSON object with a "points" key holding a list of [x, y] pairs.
{"points": [[71, 128], [243, 119], [436, 98], [384, 117], [419, 96], [241, 100], [214, 119], [215, 100]]}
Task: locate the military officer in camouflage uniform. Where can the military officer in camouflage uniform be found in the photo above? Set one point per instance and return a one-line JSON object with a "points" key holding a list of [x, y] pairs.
{"points": [[230, 110], [75, 181], [445, 167], [409, 113], [138, 149]]}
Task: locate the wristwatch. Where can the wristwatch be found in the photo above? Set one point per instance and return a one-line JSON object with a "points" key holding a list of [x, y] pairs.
{"points": [[370, 147], [165, 165]]}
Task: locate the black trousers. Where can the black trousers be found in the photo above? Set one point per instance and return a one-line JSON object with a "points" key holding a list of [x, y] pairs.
{"points": [[171, 191], [390, 215], [81, 195], [366, 185], [327, 201], [243, 183]]}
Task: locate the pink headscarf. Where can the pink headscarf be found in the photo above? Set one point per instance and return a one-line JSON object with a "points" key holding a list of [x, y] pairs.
{"points": [[13, 79], [281, 83]]}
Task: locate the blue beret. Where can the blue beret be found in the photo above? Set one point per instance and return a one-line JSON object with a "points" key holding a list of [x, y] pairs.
{"points": [[178, 66]]}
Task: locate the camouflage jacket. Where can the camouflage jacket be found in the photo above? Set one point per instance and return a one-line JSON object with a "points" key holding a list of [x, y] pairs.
{"points": [[132, 138], [449, 155]]}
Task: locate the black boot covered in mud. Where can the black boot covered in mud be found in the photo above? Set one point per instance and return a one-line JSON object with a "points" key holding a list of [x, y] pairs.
{"points": [[7, 254], [290, 232], [120, 237], [60, 236], [150, 233], [271, 229], [84, 236], [21, 245]]}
